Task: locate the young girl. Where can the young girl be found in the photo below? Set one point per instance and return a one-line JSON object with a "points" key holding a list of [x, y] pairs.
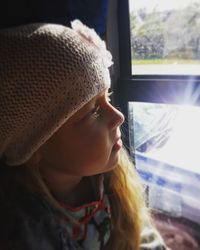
{"points": [[66, 182]]}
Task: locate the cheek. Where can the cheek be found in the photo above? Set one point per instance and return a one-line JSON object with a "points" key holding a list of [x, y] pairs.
{"points": [[95, 145], [88, 144], [81, 152]]}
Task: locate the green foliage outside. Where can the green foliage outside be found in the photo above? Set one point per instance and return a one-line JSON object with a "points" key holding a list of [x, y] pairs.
{"points": [[172, 35]]}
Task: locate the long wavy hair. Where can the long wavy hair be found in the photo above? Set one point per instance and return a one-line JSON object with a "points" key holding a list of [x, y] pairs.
{"points": [[126, 194], [129, 211]]}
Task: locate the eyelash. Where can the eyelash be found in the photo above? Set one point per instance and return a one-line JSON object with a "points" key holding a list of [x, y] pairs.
{"points": [[108, 96], [95, 112]]}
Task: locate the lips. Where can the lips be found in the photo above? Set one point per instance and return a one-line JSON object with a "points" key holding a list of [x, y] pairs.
{"points": [[118, 145]]}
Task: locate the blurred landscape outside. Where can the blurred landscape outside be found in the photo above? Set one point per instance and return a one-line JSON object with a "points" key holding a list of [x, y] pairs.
{"points": [[165, 37], [165, 141]]}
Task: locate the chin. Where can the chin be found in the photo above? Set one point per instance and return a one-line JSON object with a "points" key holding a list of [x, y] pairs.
{"points": [[113, 162], [114, 156]]}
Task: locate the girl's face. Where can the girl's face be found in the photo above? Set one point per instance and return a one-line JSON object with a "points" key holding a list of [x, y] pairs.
{"points": [[88, 143]]}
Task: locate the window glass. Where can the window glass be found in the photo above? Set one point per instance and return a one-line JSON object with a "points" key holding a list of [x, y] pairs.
{"points": [[165, 37], [165, 142]]}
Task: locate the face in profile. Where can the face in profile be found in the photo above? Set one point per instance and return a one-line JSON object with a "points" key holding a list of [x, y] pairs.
{"points": [[88, 143]]}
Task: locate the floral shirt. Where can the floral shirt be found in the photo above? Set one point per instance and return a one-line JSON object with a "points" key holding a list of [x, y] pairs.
{"points": [[90, 224]]}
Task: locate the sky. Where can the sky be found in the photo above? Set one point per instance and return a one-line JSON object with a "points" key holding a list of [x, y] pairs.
{"points": [[160, 4]]}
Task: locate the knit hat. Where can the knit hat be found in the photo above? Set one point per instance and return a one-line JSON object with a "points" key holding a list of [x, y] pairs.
{"points": [[47, 73]]}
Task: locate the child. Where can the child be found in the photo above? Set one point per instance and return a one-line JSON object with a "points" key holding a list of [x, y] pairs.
{"points": [[66, 182]]}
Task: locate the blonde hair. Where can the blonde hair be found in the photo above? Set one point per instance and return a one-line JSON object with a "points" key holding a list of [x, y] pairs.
{"points": [[129, 210], [126, 195]]}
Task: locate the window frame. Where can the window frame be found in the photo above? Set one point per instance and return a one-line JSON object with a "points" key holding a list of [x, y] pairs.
{"points": [[170, 89]]}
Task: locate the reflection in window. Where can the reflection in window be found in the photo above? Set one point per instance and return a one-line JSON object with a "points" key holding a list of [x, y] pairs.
{"points": [[165, 141], [165, 37]]}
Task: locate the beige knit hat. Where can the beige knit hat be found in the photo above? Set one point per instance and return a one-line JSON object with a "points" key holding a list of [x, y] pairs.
{"points": [[47, 73]]}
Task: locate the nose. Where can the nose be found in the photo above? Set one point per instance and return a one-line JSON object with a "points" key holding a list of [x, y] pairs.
{"points": [[116, 118]]}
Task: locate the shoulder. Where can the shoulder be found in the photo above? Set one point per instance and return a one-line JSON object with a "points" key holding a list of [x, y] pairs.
{"points": [[25, 223], [28, 221]]}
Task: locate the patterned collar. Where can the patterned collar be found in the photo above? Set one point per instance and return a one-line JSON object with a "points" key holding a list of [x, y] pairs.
{"points": [[90, 224]]}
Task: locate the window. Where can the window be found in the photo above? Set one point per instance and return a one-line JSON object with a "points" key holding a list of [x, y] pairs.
{"points": [[165, 37], [165, 141], [159, 88]]}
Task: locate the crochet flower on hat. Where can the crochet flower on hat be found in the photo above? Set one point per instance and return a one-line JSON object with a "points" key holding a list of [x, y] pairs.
{"points": [[91, 36]]}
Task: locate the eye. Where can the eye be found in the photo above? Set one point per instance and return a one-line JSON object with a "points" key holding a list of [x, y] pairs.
{"points": [[95, 112], [108, 96]]}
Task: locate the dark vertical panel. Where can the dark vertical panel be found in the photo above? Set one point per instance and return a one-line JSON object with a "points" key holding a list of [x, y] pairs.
{"points": [[124, 38]]}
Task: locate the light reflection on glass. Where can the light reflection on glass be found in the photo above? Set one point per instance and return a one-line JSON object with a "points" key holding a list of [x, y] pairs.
{"points": [[165, 141]]}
